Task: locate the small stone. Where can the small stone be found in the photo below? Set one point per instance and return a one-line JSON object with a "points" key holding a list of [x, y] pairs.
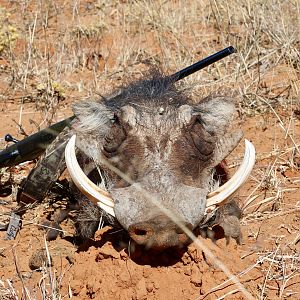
{"points": [[187, 270], [76, 286], [186, 259], [196, 277], [150, 286], [297, 162], [70, 259], [39, 259], [105, 253]]}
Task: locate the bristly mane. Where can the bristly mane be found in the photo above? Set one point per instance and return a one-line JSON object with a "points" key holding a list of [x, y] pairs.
{"points": [[154, 88]]}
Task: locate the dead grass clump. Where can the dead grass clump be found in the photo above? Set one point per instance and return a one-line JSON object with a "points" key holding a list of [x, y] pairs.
{"points": [[47, 98], [281, 270]]}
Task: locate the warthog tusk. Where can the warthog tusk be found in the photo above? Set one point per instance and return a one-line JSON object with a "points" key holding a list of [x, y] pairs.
{"points": [[83, 183], [104, 201], [218, 196]]}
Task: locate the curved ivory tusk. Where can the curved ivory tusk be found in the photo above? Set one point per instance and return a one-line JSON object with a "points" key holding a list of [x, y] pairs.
{"points": [[104, 201], [83, 183], [237, 180]]}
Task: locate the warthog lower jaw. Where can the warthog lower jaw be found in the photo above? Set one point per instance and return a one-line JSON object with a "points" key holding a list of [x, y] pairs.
{"points": [[105, 202]]}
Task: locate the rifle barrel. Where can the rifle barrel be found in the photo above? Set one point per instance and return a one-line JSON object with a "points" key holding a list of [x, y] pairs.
{"points": [[203, 63]]}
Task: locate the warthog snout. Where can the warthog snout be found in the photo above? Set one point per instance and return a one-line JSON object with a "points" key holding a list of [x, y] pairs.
{"points": [[158, 233]]}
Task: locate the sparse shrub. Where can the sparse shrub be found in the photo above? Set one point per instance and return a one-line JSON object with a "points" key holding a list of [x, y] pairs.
{"points": [[53, 90], [47, 98], [8, 33]]}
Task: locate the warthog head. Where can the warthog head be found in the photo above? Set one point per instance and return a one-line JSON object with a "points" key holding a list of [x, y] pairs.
{"points": [[163, 147]]}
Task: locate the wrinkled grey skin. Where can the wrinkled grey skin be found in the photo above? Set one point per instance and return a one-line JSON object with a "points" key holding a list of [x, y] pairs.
{"points": [[166, 144]]}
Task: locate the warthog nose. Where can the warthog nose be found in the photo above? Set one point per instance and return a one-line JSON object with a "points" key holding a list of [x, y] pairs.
{"points": [[141, 232], [158, 233]]}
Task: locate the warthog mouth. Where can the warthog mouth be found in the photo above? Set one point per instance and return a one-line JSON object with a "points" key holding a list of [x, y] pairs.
{"points": [[103, 199]]}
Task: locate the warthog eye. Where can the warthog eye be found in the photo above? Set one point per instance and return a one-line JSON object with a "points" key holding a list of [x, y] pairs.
{"points": [[114, 138], [202, 140]]}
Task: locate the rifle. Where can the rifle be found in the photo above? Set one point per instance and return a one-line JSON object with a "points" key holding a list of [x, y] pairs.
{"points": [[34, 145]]}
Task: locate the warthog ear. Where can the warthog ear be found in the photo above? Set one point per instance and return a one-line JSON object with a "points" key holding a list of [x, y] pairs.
{"points": [[216, 114], [93, 121], [93, 117]]}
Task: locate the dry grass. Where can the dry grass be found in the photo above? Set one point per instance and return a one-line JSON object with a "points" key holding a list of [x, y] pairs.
{"points": [[118, 40], [53, 53]]}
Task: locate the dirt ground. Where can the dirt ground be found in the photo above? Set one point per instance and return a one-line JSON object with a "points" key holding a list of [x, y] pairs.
{"points": [[53, 53]]}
